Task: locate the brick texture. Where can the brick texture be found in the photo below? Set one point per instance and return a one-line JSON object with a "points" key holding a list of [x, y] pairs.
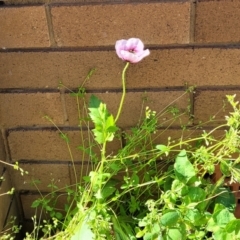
{"points": [[29, 109], [154, 23], [49, 68], [23, 27], [51, 145], [163, 68], [217, 21], [40, 176], [26, 145], [208, 104], [134, 106]]}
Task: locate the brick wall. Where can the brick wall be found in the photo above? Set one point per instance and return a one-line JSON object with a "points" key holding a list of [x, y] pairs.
{"points": [[44, 41]]}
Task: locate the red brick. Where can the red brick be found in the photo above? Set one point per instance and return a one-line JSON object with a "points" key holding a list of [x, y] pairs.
{"points": [[29, 109], [45, 173], [217, 21], [48, 145], [134, 105], [163, 68], [23, 27], [38, 145], [154, 23], [176, 67], [18, 70], [211, 103]]}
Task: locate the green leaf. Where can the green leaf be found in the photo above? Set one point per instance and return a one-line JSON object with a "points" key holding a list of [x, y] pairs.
{"points": [[183, 168], [225, 168], [84, 232], [109, 188], [153, 232], [223, 217], [195, 217], [179, 187], [196, 195], [163, 148], [174, 234], [104, 122], [115, 166], [133, 204], [226, 198], [169, 218], [220, 218], [94, 102], [36, 203], [168, 182], [233, 226], [59, 215], [223, 235]]}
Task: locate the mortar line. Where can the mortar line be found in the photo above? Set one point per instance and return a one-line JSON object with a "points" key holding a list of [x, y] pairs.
{"points": [[113, 3], [73, 3], [72, 128], [222, 45], [50, 26], [192, 21], [119, 90], [53, 162], [88, 91]]}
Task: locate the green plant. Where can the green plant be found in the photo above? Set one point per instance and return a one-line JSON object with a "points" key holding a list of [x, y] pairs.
{"points": [[148, 189]]}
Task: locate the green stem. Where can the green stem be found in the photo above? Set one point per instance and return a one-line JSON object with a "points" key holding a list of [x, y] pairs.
{"points": [[124, 91]]}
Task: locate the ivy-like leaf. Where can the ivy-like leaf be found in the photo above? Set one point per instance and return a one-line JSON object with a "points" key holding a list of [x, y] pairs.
{"points": [[183, 168]]}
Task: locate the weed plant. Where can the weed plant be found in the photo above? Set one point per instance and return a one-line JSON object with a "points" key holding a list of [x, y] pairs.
{"points": [[148, 189]]}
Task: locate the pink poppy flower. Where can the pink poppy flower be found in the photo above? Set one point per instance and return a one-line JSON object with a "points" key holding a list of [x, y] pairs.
{"points": [[131, 50]]}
